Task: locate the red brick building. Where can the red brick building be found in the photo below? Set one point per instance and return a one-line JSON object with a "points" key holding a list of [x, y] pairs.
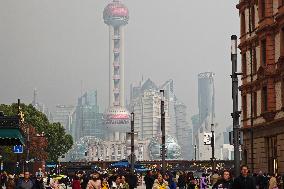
{"points": [[262, 88]]}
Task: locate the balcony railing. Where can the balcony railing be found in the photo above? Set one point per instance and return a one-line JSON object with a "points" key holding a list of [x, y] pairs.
{"points": [[116, 37], [116, 77]]}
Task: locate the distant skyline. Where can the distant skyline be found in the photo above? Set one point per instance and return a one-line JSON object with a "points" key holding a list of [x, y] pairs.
{"points": [[54, 45]]}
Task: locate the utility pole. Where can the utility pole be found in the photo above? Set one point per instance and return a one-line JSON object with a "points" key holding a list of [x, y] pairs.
{"points": [[236, 113], [213, 148], [21, 121], [195, 148], [163, 129], [132, 155]]}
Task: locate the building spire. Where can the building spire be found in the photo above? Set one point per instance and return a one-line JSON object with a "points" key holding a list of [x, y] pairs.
{"points": [[35, 98]]}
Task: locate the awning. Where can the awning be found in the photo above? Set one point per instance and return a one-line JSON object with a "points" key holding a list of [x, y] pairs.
{"points": [[11, 137]]}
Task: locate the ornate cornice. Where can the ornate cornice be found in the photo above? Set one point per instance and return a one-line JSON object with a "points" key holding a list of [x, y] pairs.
{"points": [[268, 116], [264, 73], [280, 16], [242, 4]]}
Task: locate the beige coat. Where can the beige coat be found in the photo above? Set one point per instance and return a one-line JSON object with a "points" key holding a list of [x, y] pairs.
{"points": [[272, 183]]}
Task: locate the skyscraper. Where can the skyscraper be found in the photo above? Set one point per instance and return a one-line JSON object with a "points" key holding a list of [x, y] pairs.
{"points": [[206, 106], [87, 118], [116, 118], [41, 107], [63, 114], [206, 101]]}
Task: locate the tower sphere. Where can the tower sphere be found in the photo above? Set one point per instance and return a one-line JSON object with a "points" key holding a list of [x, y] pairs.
{"points": [[116, 14]]}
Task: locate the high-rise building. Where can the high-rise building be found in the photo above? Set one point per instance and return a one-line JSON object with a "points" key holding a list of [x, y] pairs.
{"points": [[206, 99], [146, 105], [145, 101], [63, 114], [183, 131], [262, 88], [117, 117], [88, 119], [41, 107], [206, 115]]}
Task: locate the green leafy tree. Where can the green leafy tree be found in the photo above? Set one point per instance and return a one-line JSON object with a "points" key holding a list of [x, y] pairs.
{"points": [[58, 141]]}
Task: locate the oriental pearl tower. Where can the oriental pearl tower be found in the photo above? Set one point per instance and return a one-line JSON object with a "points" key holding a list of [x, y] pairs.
{"points": [[116, 118]]}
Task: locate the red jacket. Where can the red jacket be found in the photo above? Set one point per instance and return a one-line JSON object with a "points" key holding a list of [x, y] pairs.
{"points": [[76, 184]]}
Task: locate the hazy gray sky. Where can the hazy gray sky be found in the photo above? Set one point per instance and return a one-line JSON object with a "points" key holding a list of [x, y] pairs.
{"points": [[52, 45]]}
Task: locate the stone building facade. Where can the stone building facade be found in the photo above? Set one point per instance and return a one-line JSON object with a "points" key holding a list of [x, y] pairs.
{"points": [[262, 88]]}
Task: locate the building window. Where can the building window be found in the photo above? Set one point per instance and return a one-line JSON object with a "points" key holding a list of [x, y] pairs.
{"points": [[252, 12], [271, 150], [243, 24], [282, 92], [264, 99], [244, 103], [263, 52], [262, 8], [254, 108], [244, 64], [254, 62], [282, 41]]}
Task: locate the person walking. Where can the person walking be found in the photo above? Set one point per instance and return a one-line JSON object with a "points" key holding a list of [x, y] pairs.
{"points": [[10, 183], [191, 181], [203, 183], [39, 183], [273, 182], [214, 178], [105, 184], [244, 181], [76, 183], [260, 181], [26, 182], [181, 181], [225, 182], [94, 182], [149, 179], [124, 185], [132, 180], [160, 183]]}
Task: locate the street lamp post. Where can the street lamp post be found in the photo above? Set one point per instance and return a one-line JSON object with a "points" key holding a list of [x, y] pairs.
{"points": [[213, 147], [163, 129], [1, 164], [132, 155], [236, 113], [195, 148]]}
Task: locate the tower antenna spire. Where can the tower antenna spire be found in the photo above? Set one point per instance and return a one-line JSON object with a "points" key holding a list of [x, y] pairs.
{"points": [[117, 117]]}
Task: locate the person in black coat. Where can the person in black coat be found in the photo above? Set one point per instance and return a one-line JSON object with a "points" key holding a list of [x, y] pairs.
{"points": [[244, 181], [132, 180], [224, 182], [149, 179], [39, 183], [182, 181]]}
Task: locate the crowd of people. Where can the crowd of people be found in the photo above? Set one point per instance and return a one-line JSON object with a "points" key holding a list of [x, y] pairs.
{"points": [[151, 180]]}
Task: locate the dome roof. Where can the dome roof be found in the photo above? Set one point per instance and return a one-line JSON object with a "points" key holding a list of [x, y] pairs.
{"points": [[116, 14], [173, 149]]}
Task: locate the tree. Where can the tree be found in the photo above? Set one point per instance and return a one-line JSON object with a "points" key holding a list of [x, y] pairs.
{"points": [[58, 142]]}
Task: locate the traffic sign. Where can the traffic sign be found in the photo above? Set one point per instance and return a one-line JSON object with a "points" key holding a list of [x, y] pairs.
{"points": [[18, 149], [207, 138]]}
